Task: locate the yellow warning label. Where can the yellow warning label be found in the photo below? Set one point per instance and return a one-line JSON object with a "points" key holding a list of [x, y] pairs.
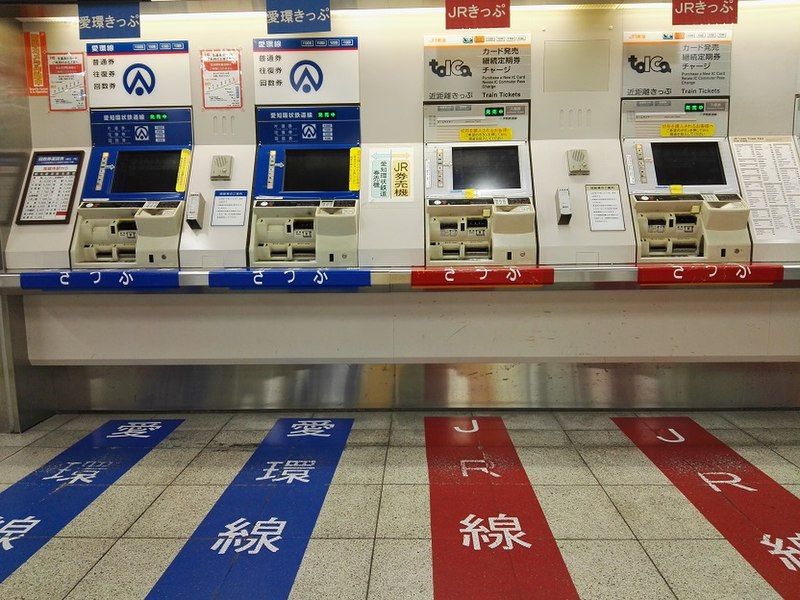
{"points": [[486, 134], [687, 129], [469, 193], [183, 170], [401, 175], [676, 190], [355, 169]]}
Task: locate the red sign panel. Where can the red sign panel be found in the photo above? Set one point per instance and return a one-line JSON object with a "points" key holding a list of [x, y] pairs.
{"points": [[35, 72], [490, 538], [482, 276], [726, 274], [704, 12], [475, 14], [753, 512]]}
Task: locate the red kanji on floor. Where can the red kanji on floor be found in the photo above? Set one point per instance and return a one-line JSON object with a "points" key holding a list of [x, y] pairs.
{"points": [[490, 538]]}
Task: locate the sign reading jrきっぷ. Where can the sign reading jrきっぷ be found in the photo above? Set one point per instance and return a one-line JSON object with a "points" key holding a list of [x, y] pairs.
{"points": [[676, 63], [478, 67], [318, 70], [139, 74], [477, 14], [704, 12]]}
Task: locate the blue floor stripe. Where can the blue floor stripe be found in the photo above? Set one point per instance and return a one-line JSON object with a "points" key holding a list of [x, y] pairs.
{"points": [[252, 542], [37, 507]]}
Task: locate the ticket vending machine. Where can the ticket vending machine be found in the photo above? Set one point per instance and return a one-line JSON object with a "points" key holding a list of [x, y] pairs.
{"points": [[132, 204], [306, 187], [478, 184], [683, 187]]}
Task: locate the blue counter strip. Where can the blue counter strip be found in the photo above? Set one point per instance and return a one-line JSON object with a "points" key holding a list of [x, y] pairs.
{"points": [[252, 542], [161, 279], [289, 278], [39, 506]]}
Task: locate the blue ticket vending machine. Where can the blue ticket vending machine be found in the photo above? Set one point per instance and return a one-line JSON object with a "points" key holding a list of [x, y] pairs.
{"points": [[132, 205], [306, 187]]}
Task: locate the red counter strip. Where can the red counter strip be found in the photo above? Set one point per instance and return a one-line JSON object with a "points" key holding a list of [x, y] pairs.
{"points": [[710, 274], [754, 513], [482, 276], [491, 540]]}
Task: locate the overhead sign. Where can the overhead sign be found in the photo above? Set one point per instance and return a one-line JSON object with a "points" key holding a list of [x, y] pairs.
{"points": [[67, 81], [321, 70], [222, 78], [108, 20], [477, 67], [704, 12], [298, 16], [680, 63], [477, 14], [139, 74]]}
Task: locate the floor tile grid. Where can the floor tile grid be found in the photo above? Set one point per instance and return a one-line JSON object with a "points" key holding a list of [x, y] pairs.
{"points": [[122, 536], [378, 516]]}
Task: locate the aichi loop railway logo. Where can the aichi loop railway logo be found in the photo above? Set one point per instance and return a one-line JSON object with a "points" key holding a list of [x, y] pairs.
{"points": [[139, 79]]}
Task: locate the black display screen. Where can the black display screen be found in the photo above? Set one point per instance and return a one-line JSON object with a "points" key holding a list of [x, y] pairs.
{"points": [[146, 171], [317, 170], [486, 168], [688, 163]]}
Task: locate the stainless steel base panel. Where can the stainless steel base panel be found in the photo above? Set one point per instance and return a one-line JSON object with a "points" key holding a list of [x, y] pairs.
{"points": [[419, 386]]}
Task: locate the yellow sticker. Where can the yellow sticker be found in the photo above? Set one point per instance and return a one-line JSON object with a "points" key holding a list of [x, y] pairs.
{"points": [[469, 193], [687, 129], [355, 169], [486, 134], [183, 170], [401, 175], [676, 190]]}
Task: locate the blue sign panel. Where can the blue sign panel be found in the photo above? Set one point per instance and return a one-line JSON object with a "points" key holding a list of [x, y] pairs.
{"points": [[108, 20], [290, 279], [140, 279], [253, 540], [39, 506], [308, 125], [157, 136], [165, 47], [298, 16]]}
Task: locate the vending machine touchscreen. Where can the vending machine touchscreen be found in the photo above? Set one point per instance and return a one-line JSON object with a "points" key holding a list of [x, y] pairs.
{"points": [[306, 187], [684, 191], [132, 205], [478, 194]]}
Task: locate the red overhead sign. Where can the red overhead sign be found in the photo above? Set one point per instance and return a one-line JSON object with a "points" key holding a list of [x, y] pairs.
{"points": [[704, 12], [477, 14]]}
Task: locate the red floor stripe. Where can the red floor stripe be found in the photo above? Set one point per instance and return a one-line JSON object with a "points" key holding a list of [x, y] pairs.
{"points": [[754, 513], [491, 540]]}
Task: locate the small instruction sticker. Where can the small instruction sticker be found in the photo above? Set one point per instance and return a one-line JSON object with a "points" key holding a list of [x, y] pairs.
{"points": [[230, 208], [605, 208], [687, 129], [355, 169], [183, 170], [486, 134]]}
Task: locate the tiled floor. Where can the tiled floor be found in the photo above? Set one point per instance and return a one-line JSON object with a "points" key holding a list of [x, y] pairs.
{"points": [[623, 529]]}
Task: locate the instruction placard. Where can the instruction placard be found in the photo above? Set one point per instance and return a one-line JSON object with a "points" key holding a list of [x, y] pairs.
{"points": [[35, 73], [230, 208], [67, 81], [676, 63], [605, 208], [50, 187], [222, 78], [769, 172], [477, 67], [391, 174], [315, 70]]}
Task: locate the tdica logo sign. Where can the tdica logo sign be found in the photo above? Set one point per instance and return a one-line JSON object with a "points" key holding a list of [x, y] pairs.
{"points": [[450, 68], [139, 79], [306, 76], [649, 64]]}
